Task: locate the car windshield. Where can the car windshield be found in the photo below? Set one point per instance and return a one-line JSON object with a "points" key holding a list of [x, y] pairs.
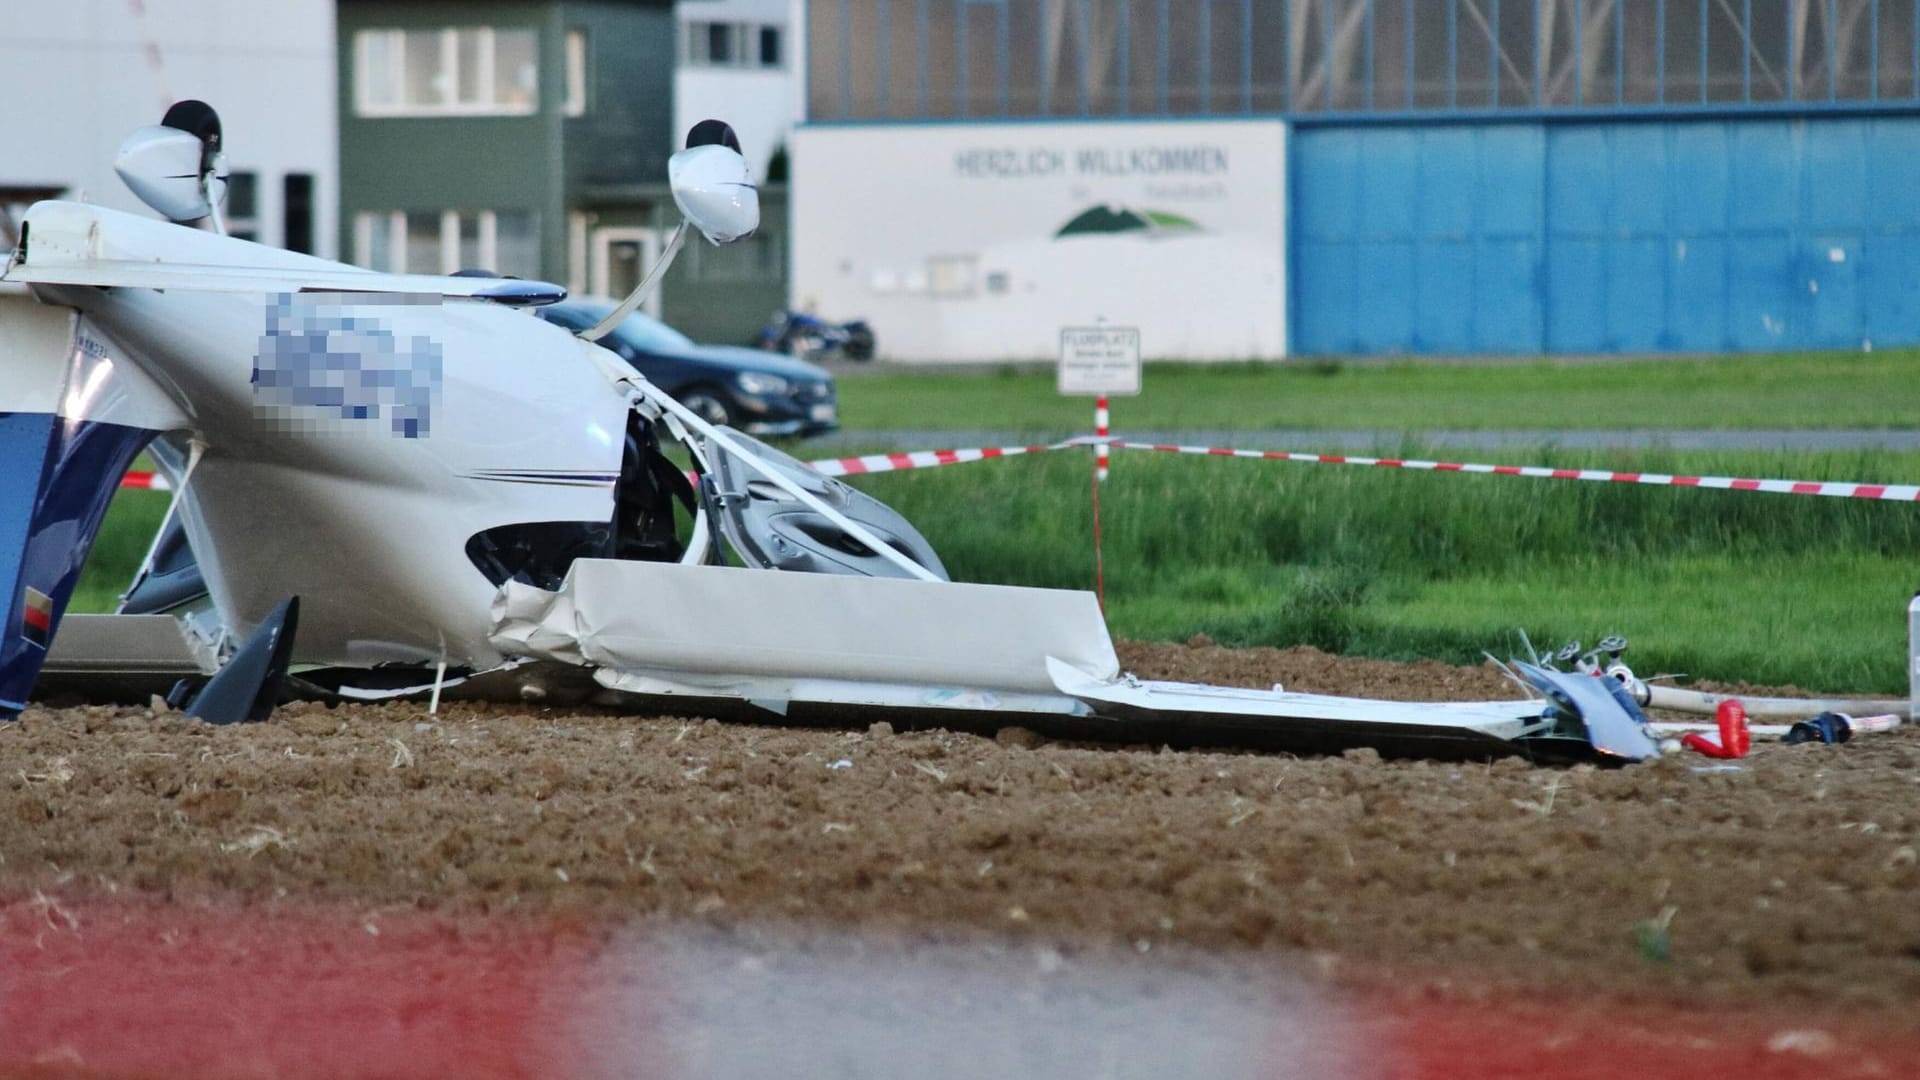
{"points": [[648, 334]]}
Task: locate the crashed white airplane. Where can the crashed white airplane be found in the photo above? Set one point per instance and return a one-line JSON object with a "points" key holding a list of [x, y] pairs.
{"points": [[407, 484]]}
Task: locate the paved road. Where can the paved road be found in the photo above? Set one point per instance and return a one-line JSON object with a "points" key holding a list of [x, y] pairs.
{"points": [[1362, 440]]}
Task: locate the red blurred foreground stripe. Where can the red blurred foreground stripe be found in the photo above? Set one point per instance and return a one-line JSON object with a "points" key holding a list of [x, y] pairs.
{"points": [[126, 989], [1598, 1040], [119, 988]]}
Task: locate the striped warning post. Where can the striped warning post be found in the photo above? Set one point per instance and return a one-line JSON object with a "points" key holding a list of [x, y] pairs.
{"points": [[1101, 461]]}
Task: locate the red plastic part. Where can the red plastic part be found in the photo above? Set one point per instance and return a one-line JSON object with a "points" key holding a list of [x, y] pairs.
{"points": [[1735, 739], [1734, 736]]}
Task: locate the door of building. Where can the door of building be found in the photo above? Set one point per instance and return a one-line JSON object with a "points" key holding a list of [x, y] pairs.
{"points": [[622, 255], [1618, 237]]}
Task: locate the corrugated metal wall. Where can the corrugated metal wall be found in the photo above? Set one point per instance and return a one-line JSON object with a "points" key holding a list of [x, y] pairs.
{"points": [[1624, 236]]}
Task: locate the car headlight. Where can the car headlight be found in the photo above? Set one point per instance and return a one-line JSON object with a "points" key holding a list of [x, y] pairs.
{"points": [[754, 382]]}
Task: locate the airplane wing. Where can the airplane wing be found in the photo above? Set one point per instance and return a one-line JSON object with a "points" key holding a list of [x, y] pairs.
{"points": [[65, 243]]}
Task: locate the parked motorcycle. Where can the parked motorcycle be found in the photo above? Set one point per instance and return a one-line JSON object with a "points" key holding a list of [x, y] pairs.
{"points": [[809, 337]]}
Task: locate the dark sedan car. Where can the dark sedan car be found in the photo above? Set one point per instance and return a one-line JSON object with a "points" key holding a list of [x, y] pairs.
{"points": [[758, 392]]}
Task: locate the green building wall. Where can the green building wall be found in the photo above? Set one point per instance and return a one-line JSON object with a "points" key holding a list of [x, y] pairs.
{"points": [[609, 164], [537, 163]]}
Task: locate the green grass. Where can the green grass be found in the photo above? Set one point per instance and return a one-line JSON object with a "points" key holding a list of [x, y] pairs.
{"points": [[1776, 589], [132, 519], [1852, 390], [1405, 565], [1832, 620]]}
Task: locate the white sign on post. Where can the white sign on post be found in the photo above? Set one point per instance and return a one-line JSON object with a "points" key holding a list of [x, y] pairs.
{"points": [[1100, 361]]}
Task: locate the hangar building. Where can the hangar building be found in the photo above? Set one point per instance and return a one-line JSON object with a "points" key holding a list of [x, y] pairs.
{"points": [[1253, 178]]}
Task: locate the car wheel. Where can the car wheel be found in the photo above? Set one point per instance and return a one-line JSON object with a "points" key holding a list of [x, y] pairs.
{"points": [[859, 344], [708, 405]]}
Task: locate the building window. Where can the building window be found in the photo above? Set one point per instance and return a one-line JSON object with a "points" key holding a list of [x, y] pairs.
{"points": [[443, 241], [243, 205], [423, 251], [461, 71], [709, 43], [576, 104], [734, 44], [296, 212], [373, 241], [953, 276], [516, 242], [757, 258]]}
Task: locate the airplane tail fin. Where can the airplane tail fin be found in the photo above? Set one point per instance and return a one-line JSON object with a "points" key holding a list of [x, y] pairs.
{"points": [[73, 416]]}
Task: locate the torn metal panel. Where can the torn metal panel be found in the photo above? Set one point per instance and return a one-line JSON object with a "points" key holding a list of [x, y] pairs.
{"points": [[707, 623], [1307, 720], [673, 634], [777, 695], [124, 657], [129, 644], [1590, 700], [531, 621]]}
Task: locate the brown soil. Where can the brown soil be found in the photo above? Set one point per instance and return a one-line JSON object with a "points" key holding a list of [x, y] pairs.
{"points": [[1793, 878]]}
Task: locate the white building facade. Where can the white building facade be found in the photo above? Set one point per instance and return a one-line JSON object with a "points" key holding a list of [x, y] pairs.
{"points": [[102, 68], [982, 241], [741, 61]]}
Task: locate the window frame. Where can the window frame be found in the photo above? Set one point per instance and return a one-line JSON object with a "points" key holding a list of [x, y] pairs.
{"points": [[244, 226], [577, 54], [297, 216], [486, 229], [745, 40], [487, 52]]}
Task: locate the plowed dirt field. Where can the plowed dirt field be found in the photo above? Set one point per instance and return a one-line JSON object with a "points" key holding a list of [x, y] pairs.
{"points": [[1789, 884]]}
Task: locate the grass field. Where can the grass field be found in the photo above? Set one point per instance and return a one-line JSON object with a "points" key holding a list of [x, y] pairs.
{"points": [[131, 522], [1727, 585], [1405, 565], [1842, 390], [1768, 588]]}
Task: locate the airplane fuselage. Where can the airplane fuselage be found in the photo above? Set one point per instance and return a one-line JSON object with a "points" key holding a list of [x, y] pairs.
{"points": [[350, 443]]}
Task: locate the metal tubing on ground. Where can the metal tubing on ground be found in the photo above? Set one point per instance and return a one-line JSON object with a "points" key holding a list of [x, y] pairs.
{"points": [[1700, 701]]}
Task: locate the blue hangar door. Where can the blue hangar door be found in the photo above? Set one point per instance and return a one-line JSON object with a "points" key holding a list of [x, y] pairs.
{"points": [[1703, 236]]}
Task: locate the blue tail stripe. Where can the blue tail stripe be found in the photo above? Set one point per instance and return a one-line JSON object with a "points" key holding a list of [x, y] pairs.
{"points": [[56, 478]]}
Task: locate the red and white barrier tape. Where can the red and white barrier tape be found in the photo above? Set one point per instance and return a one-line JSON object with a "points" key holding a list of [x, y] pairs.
{"points": [[928, 459], [153, 481], [1836, 488], [851, 466], [924, 459]]}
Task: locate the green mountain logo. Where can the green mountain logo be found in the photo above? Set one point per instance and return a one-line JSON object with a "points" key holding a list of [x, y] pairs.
{"points": [[1124, 219]]}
